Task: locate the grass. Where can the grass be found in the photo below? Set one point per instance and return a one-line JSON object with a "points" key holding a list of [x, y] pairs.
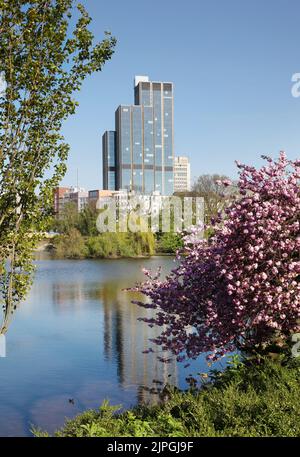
{"points": [[247, 400]]}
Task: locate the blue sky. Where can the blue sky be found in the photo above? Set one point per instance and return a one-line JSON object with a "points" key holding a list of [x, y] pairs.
{"points": [[231, 62]]}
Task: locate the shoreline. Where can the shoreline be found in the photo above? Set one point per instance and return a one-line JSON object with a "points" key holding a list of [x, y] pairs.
{"points": [[48, 248]]}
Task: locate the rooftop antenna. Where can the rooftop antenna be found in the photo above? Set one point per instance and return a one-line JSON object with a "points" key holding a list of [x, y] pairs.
{"points": [[77, 179]]}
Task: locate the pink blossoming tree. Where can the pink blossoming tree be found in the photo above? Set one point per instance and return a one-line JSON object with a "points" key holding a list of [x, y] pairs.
{"points": [[240, 288]]}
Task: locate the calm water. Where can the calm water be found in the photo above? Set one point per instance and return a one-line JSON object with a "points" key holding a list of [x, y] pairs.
{"points": [[77, 336]]}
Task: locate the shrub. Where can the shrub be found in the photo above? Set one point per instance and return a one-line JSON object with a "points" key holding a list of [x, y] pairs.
{"points": [[101, 246], [70, 245], [169, 243], [120, 245]]}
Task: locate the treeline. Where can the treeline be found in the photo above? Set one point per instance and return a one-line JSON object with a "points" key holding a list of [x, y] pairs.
{"points": [[104, 245], [78, 237]]}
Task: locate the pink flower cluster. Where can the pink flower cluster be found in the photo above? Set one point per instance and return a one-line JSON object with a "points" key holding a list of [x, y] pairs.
{"points": [[241, 286]]}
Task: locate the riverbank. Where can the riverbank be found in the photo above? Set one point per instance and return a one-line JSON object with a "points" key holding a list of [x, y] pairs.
{"points": [[74, 245], [246, 400]]}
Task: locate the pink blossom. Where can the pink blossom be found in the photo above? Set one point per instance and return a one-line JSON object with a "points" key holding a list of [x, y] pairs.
{"points": [[237, 288]]}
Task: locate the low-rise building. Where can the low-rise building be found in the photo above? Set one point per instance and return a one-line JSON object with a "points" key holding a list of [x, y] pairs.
{"points": [[93, 197], [64, 195], [80, 198], [60, 194]]}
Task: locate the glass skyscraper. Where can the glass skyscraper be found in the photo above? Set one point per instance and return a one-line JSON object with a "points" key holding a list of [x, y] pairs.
{"points": [[109, 160], [143, 141]]}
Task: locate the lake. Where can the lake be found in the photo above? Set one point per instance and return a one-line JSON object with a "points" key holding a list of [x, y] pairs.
{"points": [[77, 337]]}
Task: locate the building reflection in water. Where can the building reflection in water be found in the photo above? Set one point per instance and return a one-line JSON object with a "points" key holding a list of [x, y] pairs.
{"points": [[124, 337]]}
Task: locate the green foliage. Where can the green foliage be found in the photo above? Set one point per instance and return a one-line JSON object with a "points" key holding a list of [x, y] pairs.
{"points": [[247, 399], [120, 245], [91, 243], [43, 61], [84, 221], [101, 246], [104, 245], [169, 242], [87, 220], [68, 219], [70, 245]]}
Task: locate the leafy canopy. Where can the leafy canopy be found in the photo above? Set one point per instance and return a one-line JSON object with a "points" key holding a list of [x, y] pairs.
{"points": [[43, 61]]}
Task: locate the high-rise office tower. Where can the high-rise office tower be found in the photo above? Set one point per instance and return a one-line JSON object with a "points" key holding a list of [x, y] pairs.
{"points": [[144, 141]]}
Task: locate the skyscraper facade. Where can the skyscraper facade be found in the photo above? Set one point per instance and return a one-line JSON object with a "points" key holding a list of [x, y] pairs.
{"points": [[144, 141], [109, 159]]}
